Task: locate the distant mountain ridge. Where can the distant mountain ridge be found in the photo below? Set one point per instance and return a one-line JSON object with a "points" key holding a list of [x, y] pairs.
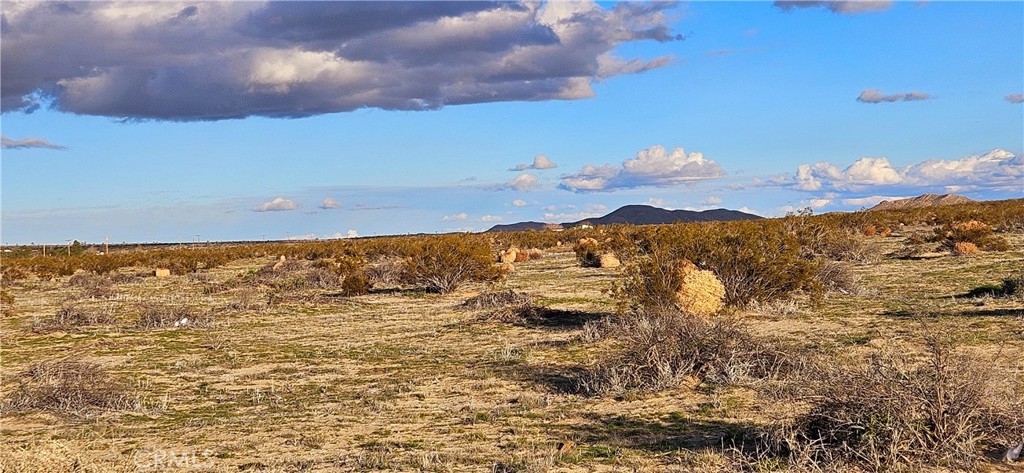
{"points": [[926, 200], [636, 215]]}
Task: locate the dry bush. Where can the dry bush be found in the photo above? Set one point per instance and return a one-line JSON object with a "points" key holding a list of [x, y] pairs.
{"points": [[838, 277], [356, 284], [900, 411], [588, 252], [661, 349], [158, 316], [977, 233], [1011, 287], [91, 284], [385, 271], [755, 260], [496, 299], [965, 248], [442, 263], [6, 303], [70, 387], [247, 299], [870, 230], [819, 240], [72, 318], [291, 275]]}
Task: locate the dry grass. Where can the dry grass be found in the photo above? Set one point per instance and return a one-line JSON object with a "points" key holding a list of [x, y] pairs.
{"points": [[160, 316], [496, 299], [405, 380], [942, 408], [69, 387]]}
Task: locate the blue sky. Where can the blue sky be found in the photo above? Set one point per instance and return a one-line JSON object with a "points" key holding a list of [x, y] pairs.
{"points": [[171, 120]]}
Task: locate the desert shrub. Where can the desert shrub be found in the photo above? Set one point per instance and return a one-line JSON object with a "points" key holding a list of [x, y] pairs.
{"points": [[870, 230], [965, 248], [588, 252], [290, 274], [973, 232], [356, 284], [755, 261], [897, 410], [442, 263], [90, 284], [652, 283], [157, 316], [70, 387], [913, 246], [821, 240], [72, 318], [837, 276], [11, 272], [247, 299], [385, 270], [1012, 286], [6, 303], [661, 349], [495, 299]]}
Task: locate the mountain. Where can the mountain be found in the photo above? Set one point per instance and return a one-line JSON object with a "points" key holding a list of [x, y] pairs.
{"points": [[637, 215], [522, 227], [926, 200]]}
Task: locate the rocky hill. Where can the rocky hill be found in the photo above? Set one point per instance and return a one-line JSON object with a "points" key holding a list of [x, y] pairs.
{"points": [[926, 200]]}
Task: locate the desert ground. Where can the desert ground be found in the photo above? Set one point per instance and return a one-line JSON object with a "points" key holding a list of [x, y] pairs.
{"points": [[406, 380]]}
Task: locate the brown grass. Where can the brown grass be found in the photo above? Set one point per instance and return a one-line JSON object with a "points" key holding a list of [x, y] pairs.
{"points": [[70, 387]]}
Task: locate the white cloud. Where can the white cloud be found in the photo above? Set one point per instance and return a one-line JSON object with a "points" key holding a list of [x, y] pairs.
{"points": [[818, 203], [877, 96], [869, 201], [278, 204], [1015, 98], [330, 203], [491, 218], [308, 236], [540, 162], [523, 182], [997, 169], [655, 202], [712, 200], [459, 217], [349, 234], [653, 166], [26, 143], [519, 203]]}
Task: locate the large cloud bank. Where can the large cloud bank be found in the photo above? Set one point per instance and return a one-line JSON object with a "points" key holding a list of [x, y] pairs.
{"points": [[997, 169], [217, 60]]}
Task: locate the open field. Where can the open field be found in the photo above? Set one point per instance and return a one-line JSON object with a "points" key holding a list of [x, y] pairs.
{"points": [[407, 380]]}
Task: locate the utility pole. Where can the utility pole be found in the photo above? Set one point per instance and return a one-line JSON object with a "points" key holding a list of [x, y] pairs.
{"points": [[69, 247], [106, 245], [44, 249]]}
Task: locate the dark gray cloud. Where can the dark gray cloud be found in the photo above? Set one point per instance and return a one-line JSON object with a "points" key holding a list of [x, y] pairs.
{"points": [[218, 60], [25, 143], [836, 6], [877, 96]]}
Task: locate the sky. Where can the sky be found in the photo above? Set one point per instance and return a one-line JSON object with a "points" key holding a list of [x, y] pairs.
{"points": [[216, 121]]}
